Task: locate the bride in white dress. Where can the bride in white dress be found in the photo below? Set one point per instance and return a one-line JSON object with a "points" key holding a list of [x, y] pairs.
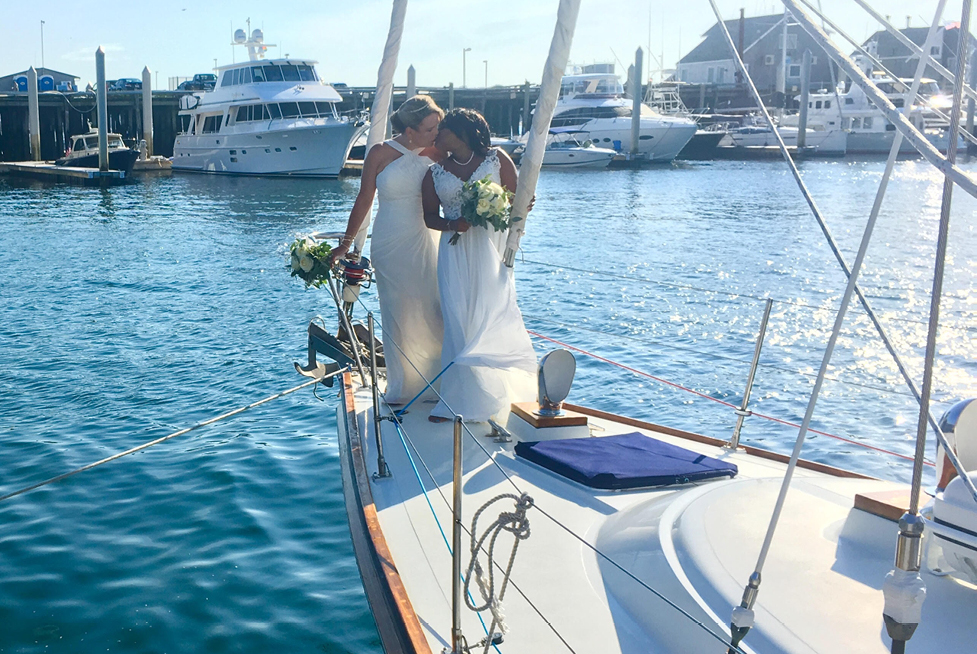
{"points": [[491, 358], [404, 252]]}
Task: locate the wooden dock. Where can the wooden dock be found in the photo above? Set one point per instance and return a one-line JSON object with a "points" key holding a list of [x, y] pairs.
{"points": [[47, 170]]}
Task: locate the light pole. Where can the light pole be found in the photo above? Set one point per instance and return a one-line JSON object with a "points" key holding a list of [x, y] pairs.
{"points": [[42, 44], [485, 61], [215, 64], [464, 67]]}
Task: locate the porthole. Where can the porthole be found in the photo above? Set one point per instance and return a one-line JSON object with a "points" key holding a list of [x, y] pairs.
{"points": [[292, 147], [278, 149]]}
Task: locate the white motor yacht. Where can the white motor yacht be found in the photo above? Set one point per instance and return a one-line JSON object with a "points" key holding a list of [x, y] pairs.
{"points": [[594, 103], [869, 132], [265, 117]]}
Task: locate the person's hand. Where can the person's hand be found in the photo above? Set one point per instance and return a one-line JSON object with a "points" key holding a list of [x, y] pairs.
{"points": [[460, 225], [337, 253], [532, 203]]}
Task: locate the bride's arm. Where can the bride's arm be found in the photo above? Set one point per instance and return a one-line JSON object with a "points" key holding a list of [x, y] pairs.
{"points": [[508, 175], [507, 170], [432, 209], [362, 205]]}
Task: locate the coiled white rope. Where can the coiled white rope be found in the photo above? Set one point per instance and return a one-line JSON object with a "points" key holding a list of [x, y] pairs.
{"points": [[514, 522]]}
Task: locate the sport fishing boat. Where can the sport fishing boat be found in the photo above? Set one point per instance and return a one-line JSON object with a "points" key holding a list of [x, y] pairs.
{"points": [[594, 104], [566, 527], [83, 152], [265, 117]]}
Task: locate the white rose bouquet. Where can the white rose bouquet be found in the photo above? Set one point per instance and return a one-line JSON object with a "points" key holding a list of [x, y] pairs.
{"points": [[310, 261], [485, 203]]}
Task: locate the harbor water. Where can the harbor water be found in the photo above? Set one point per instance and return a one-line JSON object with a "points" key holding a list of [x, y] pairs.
{"points": [[131, 312]]}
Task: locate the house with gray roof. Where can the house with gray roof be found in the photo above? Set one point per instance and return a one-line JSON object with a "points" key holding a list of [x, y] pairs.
{"points": [[711, 61]]}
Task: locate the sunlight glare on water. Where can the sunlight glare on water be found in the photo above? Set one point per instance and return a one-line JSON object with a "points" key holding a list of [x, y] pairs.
{"points": [[131, 312]]}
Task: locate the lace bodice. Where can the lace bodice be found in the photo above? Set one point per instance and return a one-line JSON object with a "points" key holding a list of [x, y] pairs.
{"points": [[448, 185]]}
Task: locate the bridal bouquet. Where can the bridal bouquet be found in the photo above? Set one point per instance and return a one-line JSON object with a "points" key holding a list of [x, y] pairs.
{"points": [[484, 203], [310, 261]]}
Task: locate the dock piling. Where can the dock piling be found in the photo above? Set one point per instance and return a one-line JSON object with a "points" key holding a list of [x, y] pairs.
{"points": [[805, 90], [411, 82], [636, 107], [103, 112], [147, 110], [525, 109], [451, 96], [34, 114]]}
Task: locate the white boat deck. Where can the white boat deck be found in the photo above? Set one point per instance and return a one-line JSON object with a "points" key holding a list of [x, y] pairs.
{"points": [[696, 544]]}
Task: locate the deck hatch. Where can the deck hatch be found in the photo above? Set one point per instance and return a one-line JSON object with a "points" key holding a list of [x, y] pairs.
{"points": [[624, 461]]}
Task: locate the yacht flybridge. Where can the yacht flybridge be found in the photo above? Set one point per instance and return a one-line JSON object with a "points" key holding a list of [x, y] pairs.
{"points": [[265, 117], [594, 104]]}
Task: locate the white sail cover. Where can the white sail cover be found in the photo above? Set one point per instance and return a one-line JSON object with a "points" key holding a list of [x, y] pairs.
{"points": [[380, 112], [549, 92]]}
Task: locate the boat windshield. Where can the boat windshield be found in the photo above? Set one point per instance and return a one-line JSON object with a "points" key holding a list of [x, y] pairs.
{"points": [[269, 73], [580, 115], [594, 86]]}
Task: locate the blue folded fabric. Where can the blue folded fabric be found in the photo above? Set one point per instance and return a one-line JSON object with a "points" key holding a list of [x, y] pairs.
{"points": [[624, 461]]}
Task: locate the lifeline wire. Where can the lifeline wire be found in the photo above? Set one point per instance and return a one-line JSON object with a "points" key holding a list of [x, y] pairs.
{"points": [[614, 563], [173, 435]]}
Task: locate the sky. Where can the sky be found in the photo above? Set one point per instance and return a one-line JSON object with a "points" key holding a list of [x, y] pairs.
{"points": [[177, 38]]}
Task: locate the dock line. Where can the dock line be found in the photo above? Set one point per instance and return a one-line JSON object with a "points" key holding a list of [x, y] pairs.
{"points": [[173, 435]]}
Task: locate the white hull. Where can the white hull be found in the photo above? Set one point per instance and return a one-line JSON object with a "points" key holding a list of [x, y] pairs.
{"points": [[314, 149], [833, 141], [578, 158], [661, 139]]}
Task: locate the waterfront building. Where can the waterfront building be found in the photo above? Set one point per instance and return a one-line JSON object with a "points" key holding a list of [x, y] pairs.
{"points": [[711, 62], [47, 80]]}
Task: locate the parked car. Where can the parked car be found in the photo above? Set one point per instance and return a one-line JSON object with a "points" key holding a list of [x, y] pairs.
{"points": [[200, 82], [126, 84]]}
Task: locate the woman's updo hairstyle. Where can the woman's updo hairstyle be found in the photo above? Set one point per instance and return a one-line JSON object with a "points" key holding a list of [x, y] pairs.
{"points": [[413, 112], [471, 127]]}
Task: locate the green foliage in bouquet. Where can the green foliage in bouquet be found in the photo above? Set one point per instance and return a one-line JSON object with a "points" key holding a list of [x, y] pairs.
{"points": [[485, 203], [310, 261]]}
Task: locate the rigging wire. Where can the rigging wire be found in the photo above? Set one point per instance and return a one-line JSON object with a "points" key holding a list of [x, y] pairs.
{"points": [[706, 396], [571, 326], [168, 437]]}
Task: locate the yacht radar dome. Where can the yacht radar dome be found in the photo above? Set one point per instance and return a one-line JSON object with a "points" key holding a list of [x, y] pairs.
{"points": [[240, 37], [257, 36]]}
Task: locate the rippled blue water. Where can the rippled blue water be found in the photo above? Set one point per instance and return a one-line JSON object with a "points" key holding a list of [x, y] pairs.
{"points": [[132, 312]]}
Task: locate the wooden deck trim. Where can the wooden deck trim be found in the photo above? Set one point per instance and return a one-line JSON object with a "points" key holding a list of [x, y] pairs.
{"points": [[397, 623], [708, 440]]}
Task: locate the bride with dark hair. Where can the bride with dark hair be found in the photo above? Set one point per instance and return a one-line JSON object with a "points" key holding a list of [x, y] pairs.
{"points": [[487, 357]]}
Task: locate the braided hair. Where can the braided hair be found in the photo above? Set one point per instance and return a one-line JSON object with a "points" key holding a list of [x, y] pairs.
{"points": [[471, 127]]}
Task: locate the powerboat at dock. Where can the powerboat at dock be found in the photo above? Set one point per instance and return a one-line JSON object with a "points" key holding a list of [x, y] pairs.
{"points": [[594, 103], [565, 150], [83, 152], [265, 117]]}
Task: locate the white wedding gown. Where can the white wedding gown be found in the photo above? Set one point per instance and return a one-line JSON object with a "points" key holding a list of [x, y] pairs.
{"points": [[405, 258], [485, 340]]}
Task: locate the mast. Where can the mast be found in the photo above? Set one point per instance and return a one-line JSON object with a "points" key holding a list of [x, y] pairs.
{"points": [[380, 112], [549, 91]]}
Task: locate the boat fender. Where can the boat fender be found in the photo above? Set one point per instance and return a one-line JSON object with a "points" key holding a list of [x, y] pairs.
{"points": [[959, 425]]}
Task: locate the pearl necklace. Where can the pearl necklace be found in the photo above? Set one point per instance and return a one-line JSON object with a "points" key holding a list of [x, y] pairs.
{"points": [[467, 162]]}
